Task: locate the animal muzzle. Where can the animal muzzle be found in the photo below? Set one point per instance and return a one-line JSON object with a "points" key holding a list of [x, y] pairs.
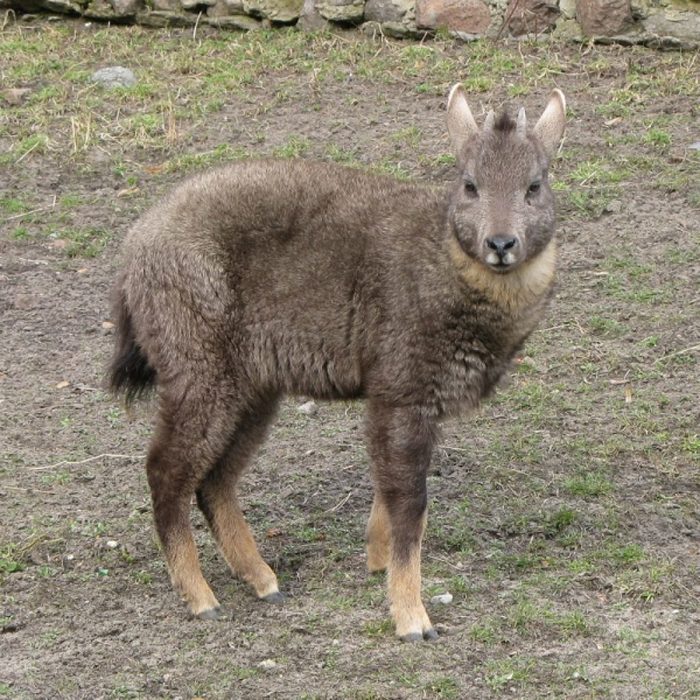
{"points": [[502, 251]]}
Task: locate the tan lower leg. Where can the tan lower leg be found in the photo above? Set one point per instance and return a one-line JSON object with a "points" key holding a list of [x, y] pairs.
{"points": [[378, 536], [186, 574], [407, 609], [239, 549]]}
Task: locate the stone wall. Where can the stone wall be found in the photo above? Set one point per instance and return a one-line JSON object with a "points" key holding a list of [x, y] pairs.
{"points": [[658, 23]]}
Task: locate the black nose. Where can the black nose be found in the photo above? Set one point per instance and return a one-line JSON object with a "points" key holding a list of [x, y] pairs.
{"points": [[501, 244]]}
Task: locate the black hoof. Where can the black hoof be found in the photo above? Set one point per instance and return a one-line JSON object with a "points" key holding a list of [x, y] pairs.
{"points": [[412, 637], [275, 598], [431, 634], [211, 614]]}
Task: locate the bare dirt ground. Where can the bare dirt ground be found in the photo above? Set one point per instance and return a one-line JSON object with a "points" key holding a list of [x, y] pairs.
{"points": [[564, 517]]}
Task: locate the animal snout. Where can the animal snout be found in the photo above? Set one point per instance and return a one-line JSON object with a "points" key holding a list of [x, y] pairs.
{"points": [[501, 244], [501, 249]]}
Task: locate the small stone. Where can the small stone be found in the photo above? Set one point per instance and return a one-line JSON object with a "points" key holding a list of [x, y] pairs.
{"points": [[111, 544], [114, 76], [309, 408], [15, 96], [442, 599], [267, 664]]}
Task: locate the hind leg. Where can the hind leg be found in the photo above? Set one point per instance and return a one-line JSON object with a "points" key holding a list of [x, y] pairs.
{"points": [[216, 497], [190, 439], [378, 536]]}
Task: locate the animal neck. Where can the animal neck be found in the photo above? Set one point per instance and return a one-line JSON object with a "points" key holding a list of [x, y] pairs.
{"points": [[514, 291]]}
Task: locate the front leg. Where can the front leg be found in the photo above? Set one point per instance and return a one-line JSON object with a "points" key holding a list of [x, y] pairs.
{"points": [[400, 442]]}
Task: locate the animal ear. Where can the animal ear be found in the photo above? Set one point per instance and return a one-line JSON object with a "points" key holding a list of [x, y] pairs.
{"points": [[550, 126], [461, 124]]}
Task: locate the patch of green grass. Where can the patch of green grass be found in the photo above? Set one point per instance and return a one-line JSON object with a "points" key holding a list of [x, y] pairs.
{"points": [[515, 670], [21, 233], [484, 633], [390, 167], [295, 147], [443, 687], [219, 155], [382, 628], [60, 478], [10, 559], [657, 137], [13, 205], [588, 484], [344, 156], [691, 445], [409, 135], [606, 326], [82, 242]]}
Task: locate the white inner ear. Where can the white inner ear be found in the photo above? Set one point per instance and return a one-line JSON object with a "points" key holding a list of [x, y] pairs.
{"points": [[550, 126], [461, 124]]}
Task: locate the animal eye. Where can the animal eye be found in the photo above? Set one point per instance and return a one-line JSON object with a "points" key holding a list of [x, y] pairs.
{"points": [[534, 188], [470, 187]]}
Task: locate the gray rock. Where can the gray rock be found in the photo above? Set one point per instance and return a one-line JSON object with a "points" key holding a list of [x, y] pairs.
{"points": [[124, 8], [113, 77], [531, 16], [233, 22], [275, 10], [384, 11], [341, 10], [165, 18], [567, 8], [684, 26], [112, 9], [225, 8], [310, 19], [165, 5], [66, 7]]}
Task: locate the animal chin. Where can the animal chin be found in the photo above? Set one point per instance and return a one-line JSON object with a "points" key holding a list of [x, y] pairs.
{"points": [[500, 264], [501, 267]]}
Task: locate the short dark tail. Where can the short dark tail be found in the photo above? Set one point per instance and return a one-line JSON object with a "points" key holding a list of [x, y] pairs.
{"points": [[129, 371]]}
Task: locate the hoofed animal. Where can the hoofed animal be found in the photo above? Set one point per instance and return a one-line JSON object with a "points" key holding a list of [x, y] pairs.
{"points": [[266, 278]]}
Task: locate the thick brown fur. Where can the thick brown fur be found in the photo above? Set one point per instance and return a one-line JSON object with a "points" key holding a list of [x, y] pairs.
{"points": [[267, 278]]}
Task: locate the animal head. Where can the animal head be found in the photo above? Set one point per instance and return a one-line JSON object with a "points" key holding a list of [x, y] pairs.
{"points": [[502, 206]]}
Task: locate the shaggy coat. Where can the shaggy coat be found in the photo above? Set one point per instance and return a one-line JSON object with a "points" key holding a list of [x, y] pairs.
{"points": [[267, 278]]}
